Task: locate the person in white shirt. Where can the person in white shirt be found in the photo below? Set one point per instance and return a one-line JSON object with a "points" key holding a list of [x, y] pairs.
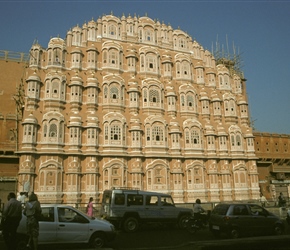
{"points": [[198, 212]]}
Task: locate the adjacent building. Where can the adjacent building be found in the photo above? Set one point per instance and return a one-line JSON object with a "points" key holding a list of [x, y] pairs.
{"points": [[273, 152], [12, 74]]}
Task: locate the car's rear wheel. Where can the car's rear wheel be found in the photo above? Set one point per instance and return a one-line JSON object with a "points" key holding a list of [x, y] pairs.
{"points": [[98, 240], [278, 230], [131, 225], [234, 233]]}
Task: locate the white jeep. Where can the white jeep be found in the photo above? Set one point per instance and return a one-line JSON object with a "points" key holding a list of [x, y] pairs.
{"points": [[128, 209]]}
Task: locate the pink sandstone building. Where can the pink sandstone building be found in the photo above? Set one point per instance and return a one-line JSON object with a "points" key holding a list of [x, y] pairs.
{"points": [[132, 102]]}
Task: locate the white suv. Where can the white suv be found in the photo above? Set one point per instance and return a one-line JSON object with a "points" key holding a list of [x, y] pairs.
{"points": [[128, 209]]}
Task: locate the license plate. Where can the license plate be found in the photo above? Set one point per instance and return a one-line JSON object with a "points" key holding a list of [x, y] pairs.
{"points": [[216, 227]]}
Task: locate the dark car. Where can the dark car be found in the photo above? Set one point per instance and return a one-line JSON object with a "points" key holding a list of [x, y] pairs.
{"points": [[244, 219]]}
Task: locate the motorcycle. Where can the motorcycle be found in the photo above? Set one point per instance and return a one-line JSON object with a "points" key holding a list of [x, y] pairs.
{"points": [[194, 224]]}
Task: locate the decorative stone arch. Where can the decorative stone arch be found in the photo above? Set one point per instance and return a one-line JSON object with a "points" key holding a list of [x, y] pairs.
{"points": [[196, 174], [157, 175], [236, 137], [50, 176], [240, 175], [114, 174], [112, 45]]}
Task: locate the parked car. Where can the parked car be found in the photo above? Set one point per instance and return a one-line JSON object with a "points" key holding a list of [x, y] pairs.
{"points": [[61, 224], [244, 219], [128, 209]]}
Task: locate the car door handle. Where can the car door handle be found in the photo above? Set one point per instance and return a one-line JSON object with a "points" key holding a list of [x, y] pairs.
{"points": [[61, 225]]}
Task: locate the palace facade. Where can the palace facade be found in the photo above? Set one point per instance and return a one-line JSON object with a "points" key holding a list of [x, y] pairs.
{"points": [[132, 102]]}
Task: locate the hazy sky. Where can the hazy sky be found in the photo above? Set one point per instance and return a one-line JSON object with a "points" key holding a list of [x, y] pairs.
{"points": [[259, 31]]}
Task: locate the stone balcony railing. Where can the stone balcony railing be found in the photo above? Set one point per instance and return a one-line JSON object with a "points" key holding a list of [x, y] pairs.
{"points": [[14, 56]]}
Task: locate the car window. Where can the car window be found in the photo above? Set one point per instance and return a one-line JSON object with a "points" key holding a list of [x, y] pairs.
{"points": [[134, 199], [152, 200], [257, 210], [240, 210], [47, 214], [220, 209], [119, 199], [166, 201], [66, 215]]}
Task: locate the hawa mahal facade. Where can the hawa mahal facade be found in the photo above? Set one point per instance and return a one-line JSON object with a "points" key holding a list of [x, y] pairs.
{"points": [[132, 102]]}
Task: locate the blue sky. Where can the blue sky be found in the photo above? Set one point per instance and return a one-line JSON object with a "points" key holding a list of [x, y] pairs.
{"points": [[259, 30]]}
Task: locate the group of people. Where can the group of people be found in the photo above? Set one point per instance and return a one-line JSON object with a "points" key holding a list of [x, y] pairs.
{"points": [[11, 218]]}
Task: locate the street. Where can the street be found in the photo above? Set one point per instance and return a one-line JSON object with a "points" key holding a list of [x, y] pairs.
{"points": [[173, 238]]}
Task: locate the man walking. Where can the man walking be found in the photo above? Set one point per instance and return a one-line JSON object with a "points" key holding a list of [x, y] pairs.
{"points": [[12, 214]]}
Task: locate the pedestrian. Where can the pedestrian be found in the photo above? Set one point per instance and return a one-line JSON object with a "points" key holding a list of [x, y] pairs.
{"points": [[263, 200], [281, 200], [12, 215], [33, 212], [90, 207]]}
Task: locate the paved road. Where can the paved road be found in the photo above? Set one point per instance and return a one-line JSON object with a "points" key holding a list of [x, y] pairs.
{"points": [[161, 238]]}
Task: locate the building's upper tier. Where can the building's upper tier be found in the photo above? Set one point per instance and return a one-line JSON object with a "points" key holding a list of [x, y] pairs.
{"points": [[128, 36], [131, 29]]}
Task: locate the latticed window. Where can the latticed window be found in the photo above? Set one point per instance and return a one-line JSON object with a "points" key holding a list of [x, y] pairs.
{"points": [[157, 133], [148, 137], [133, 99], [216, 108], [195, 137], [53, 130], [192, 138], [182, 100], [92, 136], [230, 107], [151, 63], [185, 69], [115, 133], [236, 141], [106, 132], [112, 30], [114, 93], [154, 96], [148, 35], [145, 95], [92, 95], [106, 92], [75, 135], [113, 57], [44, 130], [223, 142], [136, 138], [181, 43], [187, 137], [190, 101], [29, 133]]}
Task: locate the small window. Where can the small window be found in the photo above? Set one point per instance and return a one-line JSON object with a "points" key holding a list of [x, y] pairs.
{"points": [[47, 214], [119, 199], [134, 200], [152, 200]]}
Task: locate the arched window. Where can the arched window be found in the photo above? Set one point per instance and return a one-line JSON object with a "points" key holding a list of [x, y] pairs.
{"points": [[112, 30], [53, 128], [193, 138]]}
